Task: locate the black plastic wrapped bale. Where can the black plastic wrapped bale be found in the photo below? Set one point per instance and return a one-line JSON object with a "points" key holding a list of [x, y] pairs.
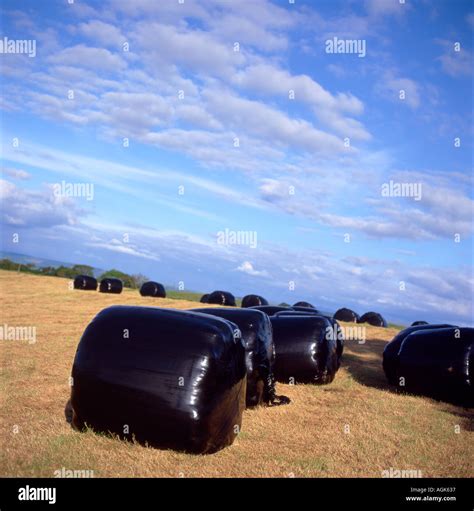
{"points": [[253, 300], [439, 363], [85, 282], [373, 318], [257, 337], [204, 298], [271, 310], [304, 304], [336, 328], [390, 352], [418, 323], [154, 289], [347, 315], [308, 310], [304, 352], [111, 286], [221, 298], [174, 379]]}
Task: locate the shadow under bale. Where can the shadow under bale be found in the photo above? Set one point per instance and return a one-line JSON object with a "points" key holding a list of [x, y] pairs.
{"points": [[153, 289], [304, 351], [110, 285], [253, 300], [348, 315], [173, 379], [85, 282], [221, 298], [439, 363], [374, 319], [390, 353], [257, 337]]}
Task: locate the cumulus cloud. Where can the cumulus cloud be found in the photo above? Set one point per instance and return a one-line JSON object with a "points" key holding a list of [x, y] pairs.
{"points": [[247, 267]]}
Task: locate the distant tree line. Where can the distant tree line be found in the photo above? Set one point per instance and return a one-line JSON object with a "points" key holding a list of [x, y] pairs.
{"points": [[69, 272]]}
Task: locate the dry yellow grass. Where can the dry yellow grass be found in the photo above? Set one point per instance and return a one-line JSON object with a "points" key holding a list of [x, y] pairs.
{"points": [[306, 438]]}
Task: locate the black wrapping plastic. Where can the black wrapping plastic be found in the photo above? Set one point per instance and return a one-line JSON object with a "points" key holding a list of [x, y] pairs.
{"points": [[309, 310], [176, 379], [373, 318], [253, 300], [85, 283], [439, 363], [347, 315], [336, 328], [418, 323], [111, 286], [257, 338], [221, 298], [305, 353], [270, 310], [154, 289], [204, 298], [304, 304], [390, 353]]}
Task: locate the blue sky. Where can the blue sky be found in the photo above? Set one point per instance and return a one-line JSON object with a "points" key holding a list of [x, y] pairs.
{"points": [[306, 176]]}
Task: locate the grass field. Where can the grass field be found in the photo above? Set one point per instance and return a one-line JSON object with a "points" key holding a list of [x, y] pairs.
{"points": [[354, 427]]}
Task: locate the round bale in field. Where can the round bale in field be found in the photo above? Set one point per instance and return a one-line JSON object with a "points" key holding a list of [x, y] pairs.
{"points": [[221, 298], [85, 282], [304, 351], [270, 310], [439, 362], [204, 298], [154, 289], [391, 351], [418, 323], [111, 285], [178, 381], [374, 319], [253, 300], [304, 304], [257, 338], [347, 315]]}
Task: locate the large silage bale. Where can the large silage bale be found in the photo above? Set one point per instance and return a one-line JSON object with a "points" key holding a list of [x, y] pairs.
{"points": [[154, 289], [306, 305], [111, 285], [253, 300], [174, 379], [270, 310], [390, 353], [221, 298], [439, 363], [204, 298], [257, 338], [304, 353], [85, 282], [348, 315], [418, 323], [374, 319], [335, 329]]}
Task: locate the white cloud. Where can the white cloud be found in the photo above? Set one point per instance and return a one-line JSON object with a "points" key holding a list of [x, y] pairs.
{"points": [[16, 173], [247, 267]]}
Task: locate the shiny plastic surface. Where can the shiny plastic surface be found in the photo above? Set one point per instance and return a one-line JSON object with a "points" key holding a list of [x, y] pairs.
{"points": [[154, 289], [345, 314], [174, 379], [271, 309], [305, 353], [85, 282], [304, 304], [257, 338], [373, 318], [221, 298], [253, 300], [439, 363], [111, 286], [390, 353]]}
